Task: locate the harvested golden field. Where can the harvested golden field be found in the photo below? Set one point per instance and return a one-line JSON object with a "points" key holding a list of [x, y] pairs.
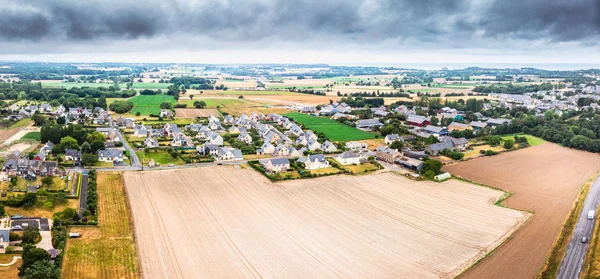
{"points": [[193, 113], [108, 251], [545, 179], [217, 222]]}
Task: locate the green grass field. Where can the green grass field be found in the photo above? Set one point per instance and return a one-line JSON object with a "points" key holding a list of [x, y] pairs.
{"points": [[160, 157], [37, 136], [333, 130], [21, 123], [150, 85], [533, 141], [456, 85], [149, 104], [212, 103], [69, 85]]}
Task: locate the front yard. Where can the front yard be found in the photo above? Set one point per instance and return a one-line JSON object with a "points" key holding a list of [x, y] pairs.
{"points": [[159, 156], [362, 168]]}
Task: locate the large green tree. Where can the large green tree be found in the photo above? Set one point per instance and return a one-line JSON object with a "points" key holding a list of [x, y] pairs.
{"points": [[30, 256]]}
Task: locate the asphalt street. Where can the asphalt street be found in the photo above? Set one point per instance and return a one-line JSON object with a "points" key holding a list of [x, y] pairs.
{"points": [[573, 261]]}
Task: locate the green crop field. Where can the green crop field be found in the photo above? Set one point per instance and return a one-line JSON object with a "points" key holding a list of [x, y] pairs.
{"points": [[333, 130], [150, 85], [213, 103], [37, 136], [149, 104]]}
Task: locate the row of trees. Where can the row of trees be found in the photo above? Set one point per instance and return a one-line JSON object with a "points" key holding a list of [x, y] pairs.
{"points": [[513, 89], [92, 198]]}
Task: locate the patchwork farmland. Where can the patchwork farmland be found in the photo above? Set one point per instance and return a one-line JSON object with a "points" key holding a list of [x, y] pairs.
{"points": [[149, 104], [332, 129], [545, 179], [217, 222]]}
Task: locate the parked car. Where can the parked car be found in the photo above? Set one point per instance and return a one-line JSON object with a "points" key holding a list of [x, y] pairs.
{"points": [[17, 217], [17, 228]]}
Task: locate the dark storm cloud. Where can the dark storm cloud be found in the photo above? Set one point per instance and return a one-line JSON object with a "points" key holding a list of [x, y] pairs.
{"points": [[247, 21]]}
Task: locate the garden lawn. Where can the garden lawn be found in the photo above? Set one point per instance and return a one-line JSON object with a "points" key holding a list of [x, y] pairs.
{"points": [[21, 123], [332, 129], [533, 141], [366, 167], [149, 104], [160, 157], [37, 136]]}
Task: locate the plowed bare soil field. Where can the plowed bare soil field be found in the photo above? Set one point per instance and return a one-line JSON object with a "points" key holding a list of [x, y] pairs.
{"points": [[222, 222], [193, 113], [545, 179]]}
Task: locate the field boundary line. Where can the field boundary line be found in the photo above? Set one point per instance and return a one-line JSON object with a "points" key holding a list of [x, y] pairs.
{"points": [[499, 203], [554, 259]]}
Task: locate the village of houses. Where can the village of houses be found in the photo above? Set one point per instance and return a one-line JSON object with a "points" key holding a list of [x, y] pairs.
{"points": [[277, 143]]}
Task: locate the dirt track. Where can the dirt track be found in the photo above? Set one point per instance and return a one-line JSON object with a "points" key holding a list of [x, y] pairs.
{"points": [[217, 222], [544, 179]]}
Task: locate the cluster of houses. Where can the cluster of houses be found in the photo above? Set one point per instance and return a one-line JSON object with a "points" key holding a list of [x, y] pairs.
{"points": [[17, 165], [97, 115]]}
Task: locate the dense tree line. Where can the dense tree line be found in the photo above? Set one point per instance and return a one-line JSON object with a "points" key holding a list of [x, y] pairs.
{"points": [[74, 97], [72, 137], [513, 89], [580, 133], [360, 102], [121, 106], [193, 83]]}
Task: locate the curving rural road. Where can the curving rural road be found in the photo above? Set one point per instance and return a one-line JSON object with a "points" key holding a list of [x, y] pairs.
{"points": [[133, 158], [573, 261]]}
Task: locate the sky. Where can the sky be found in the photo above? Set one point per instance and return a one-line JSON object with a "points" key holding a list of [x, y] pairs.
{"points": [[346, 32]]}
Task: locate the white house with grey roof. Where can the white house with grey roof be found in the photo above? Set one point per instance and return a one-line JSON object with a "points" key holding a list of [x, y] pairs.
{"points": [[313, 162], [348, 158], [389, 139], [110, 155], [276, 164]]}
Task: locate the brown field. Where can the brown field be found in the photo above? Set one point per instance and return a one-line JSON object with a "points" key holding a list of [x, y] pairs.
{"points": [[193, 113], [40, 211], [107, 251], [7, 133], [545, 179], [217, 222], [9, 271]]}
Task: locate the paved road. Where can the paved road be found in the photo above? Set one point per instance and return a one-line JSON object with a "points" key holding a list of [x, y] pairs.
{"points": [[133, 158], [83, 193], [573, 261]]}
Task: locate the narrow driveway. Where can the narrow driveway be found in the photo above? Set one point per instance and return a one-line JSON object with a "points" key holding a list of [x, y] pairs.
{"points": [[83, 193], [573, 261]]}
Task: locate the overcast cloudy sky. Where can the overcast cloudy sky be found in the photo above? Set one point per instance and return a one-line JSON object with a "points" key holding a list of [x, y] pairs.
{"points": [[302, 31]]}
